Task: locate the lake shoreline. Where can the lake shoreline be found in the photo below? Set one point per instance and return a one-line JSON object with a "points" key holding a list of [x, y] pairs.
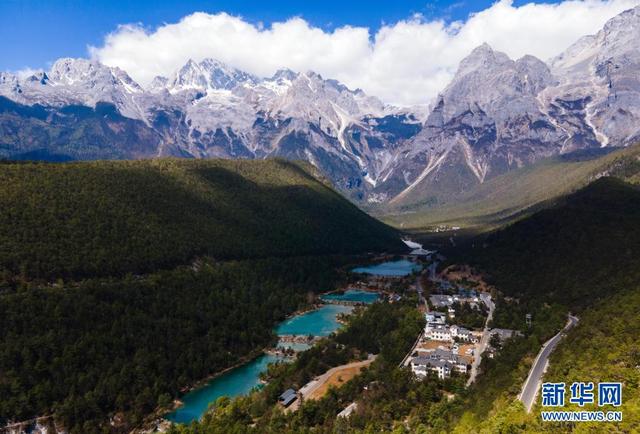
{"points": [[318, 305], [245, 360]]}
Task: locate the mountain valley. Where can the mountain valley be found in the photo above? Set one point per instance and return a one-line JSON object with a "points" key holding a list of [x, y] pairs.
{"points": [[496, 115]]}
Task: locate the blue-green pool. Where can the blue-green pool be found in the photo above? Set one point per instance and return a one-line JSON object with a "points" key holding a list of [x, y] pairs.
{"points": [[393, 268], [319, 322], [241, 380], [238, 381], [353, 295]]}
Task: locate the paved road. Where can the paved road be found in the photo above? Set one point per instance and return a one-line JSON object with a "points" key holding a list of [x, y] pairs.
{"points": [[484, 340], [532, 383]]}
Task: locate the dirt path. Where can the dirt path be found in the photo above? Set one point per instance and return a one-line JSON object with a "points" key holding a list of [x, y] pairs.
{"points": [[319, 386]]}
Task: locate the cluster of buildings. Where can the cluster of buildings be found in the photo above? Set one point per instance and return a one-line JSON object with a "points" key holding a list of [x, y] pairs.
{"points": [[463, 296], [444, 359], [440, 361], [437, 329]]}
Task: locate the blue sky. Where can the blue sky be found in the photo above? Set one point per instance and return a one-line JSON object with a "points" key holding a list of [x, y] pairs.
{"points": [[35, 32]]}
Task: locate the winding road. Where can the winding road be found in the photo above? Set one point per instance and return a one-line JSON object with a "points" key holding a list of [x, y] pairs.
{"points": [[532, 383]]}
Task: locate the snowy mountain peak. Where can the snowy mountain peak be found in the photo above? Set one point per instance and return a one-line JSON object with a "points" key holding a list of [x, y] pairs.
{"points": [[284, 74], [617, 39], [209, 74], [38, 77], [482, 57], [489, 82], [626, 22], [89, 74], [158, 83], [602, 69]]}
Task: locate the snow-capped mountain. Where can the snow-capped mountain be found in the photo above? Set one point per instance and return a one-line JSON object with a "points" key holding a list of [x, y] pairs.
{"points": [[206, 109], [604, 70], [76, 82], [208, 75], [488, 120], [496, 114]]}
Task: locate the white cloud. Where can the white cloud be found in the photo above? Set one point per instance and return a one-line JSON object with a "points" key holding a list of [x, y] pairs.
{"points": [[405, 63]]}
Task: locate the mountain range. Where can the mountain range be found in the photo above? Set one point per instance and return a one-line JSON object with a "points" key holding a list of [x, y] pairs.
{"points": [[497, 114]]}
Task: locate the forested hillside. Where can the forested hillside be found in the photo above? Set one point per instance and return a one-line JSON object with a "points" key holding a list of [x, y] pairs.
{"points": [[109, 218], [122, 283], [580, 255], [87, 352], [602, 348], [586, 246]]}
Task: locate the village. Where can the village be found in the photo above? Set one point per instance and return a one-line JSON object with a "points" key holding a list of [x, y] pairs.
{"points": [[457, 306], [457, 333]]}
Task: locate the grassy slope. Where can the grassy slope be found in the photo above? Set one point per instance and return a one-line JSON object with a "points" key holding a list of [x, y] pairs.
{"points": [[109, 218], [507, 197]]}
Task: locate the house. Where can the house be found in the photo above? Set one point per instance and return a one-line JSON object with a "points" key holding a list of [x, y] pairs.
{"points": [[393, 298], [441, 300], [452, 312], [421, 365], [435, 317], [460, 333], [439, 332], [441, 367], [458, 363], [287, 397], [348, 410]]}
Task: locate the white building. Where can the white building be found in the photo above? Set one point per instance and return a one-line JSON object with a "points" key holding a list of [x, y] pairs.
{"points": [[435, 317], [443, 332], [458, 363], [460, 333], [421, 365], [439, 332]]}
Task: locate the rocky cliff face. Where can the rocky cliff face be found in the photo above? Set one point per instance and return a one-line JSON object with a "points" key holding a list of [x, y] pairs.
{"points": [[498, 114], [495, 115]]}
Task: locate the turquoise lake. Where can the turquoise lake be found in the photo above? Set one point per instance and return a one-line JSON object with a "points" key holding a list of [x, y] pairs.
{"points": [[319, 322], [353, 295], [392, 268], [240, 381]]}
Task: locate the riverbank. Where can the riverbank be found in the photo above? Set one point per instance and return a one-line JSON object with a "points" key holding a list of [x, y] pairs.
{"points": [[318, 320], [159, 417]]}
